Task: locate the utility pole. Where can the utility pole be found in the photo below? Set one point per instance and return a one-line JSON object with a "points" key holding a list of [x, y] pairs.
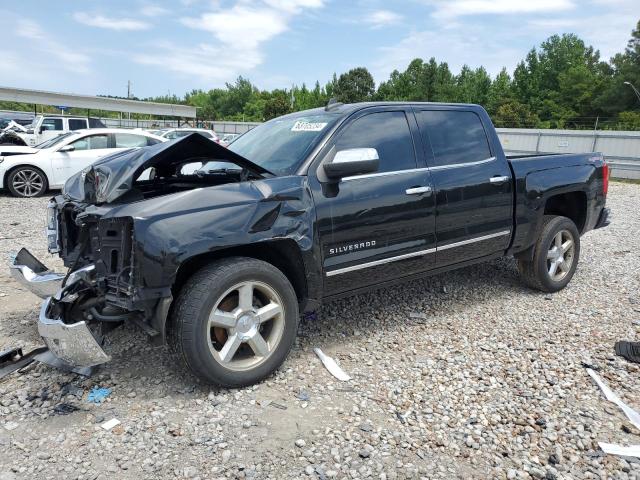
{"points": [[129, 95], [635, 90]]}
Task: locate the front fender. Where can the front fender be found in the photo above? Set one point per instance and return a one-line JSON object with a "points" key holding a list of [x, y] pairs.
{"points": [[176, 228]]}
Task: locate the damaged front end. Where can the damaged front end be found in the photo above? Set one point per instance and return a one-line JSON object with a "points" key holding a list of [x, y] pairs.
{"points": [[62, 323], [130, 239]]}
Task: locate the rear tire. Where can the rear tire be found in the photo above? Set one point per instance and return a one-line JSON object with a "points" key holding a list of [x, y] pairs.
{"points": [[555, 257], [27, 181], [235, 321]]}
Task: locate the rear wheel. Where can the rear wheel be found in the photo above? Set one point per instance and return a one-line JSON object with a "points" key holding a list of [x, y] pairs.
{"points": [[555, 257], [27, 181], [235, 321]]}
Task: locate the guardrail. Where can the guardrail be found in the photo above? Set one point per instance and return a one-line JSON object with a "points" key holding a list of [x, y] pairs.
{"points": [[621, 149]]}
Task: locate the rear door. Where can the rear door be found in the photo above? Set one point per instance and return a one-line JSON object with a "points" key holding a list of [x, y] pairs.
{"points": [[473, 184], [378, 226], [86, 150]]}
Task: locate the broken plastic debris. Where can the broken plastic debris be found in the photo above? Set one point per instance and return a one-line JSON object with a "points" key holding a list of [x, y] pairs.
{"points": [[613, 449], [109, 424], [10, 426], [610, 395], [98, 394], [331, 365]]}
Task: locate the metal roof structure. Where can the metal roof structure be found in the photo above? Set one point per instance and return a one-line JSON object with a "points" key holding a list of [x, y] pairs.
{"points": [[95, 103]]}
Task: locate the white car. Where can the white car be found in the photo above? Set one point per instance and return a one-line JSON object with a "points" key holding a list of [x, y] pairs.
{"points": [[171, 133], [29, 172]]}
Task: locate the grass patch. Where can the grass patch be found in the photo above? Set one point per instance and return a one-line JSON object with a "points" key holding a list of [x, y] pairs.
{"points": [[635, 181]]}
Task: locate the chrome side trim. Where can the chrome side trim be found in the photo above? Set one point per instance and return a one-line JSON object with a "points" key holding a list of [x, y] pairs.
{"points": [[416, 254], [474, 240], [379, 262], [385, 174], [458, 165]]}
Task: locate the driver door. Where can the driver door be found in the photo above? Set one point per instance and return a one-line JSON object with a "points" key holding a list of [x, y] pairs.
{"points": [[378, 226], [49, 128], [74, 156]]}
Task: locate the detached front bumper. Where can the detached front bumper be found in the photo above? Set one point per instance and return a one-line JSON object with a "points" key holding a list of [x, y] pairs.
{"points": [[73, 343], [34, 275]]}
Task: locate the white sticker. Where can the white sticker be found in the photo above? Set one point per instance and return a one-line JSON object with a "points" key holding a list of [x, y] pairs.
{"points": [[302, 126]]}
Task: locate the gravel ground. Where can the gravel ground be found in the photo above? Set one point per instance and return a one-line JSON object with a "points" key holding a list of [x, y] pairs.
{"points": [[462, 375]]}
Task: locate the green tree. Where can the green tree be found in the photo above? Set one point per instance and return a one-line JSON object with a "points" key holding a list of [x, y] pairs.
{"points": [[356, 85]]}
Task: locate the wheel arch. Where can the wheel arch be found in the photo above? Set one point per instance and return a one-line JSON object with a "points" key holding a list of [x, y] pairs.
{"points": [[572, 205], [284, 254]]}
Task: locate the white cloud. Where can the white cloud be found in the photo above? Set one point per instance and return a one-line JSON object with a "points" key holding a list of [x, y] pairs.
{"points": [[242, 26], [111, 23], [238, 35], [456, 47], [153, 10], [382, 18], [447, 9], [45, 44]]}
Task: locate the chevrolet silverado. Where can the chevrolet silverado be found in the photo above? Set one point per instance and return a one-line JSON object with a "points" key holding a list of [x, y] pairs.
{"points": [[221, 259]]}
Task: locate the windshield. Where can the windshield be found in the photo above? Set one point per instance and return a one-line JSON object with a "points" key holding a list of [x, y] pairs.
{"points": [[280, 145], [55, 140]]}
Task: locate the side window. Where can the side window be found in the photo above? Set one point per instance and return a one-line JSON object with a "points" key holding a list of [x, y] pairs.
{"points": [[152, 141], [388, 133], [51, 124], [129, 140], [92, 142], [456, 136], [171, 135], [77, 124]]}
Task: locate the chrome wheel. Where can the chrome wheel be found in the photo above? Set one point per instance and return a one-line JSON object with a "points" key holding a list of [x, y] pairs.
{"points": [[560, 255], [27, 182], [245, 326]]}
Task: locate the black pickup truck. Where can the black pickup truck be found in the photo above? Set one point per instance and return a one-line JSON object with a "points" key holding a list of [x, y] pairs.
{"points": [[219, 251]]}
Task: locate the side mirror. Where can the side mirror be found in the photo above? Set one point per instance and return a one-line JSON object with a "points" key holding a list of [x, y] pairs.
{"points": [[67, 148], [354, 161]]}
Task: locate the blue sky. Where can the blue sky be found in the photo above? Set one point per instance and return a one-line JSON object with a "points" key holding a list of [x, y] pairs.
{"points": [[94, 47]]}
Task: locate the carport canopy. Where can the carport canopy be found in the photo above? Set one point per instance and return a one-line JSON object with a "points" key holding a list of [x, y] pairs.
{"points": [[89, 102]]}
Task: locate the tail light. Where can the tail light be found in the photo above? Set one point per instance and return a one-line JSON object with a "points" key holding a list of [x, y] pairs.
{"points": [[605, 178]]}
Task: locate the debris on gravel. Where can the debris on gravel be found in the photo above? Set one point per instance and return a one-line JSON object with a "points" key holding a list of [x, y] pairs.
{"points": [[467, 374]]}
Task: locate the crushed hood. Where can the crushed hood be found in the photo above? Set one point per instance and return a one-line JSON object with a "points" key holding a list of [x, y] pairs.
{"points": [[113, 175]]}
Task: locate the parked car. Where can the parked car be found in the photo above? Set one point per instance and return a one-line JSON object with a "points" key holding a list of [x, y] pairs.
{"points": [[324, 203], [31, 171], [227, 138], [172, 133], [45, 127]]}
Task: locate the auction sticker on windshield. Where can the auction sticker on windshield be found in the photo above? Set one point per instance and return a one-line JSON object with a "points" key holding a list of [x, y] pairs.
{"points": [[302, 126]]}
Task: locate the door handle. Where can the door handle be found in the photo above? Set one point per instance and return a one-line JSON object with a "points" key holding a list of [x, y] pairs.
{"points": [[417, 190], [499, 180]]}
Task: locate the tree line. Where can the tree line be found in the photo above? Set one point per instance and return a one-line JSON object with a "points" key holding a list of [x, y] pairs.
{"points": [[563, 83]]}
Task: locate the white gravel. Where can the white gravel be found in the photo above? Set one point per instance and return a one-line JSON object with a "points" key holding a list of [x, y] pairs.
{"points": [[463, 375]]}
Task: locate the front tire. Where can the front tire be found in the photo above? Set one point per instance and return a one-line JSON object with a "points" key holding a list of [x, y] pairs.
{"points": [[556, 255], [235, 321], [27, 182]]}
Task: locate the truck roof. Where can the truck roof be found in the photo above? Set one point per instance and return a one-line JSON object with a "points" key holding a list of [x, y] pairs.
{"points": [[348, 108]]}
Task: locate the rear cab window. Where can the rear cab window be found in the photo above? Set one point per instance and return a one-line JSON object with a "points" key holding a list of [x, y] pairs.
{"points": [[388, 133], [51, 124], [456, 136], [77, 123]]}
